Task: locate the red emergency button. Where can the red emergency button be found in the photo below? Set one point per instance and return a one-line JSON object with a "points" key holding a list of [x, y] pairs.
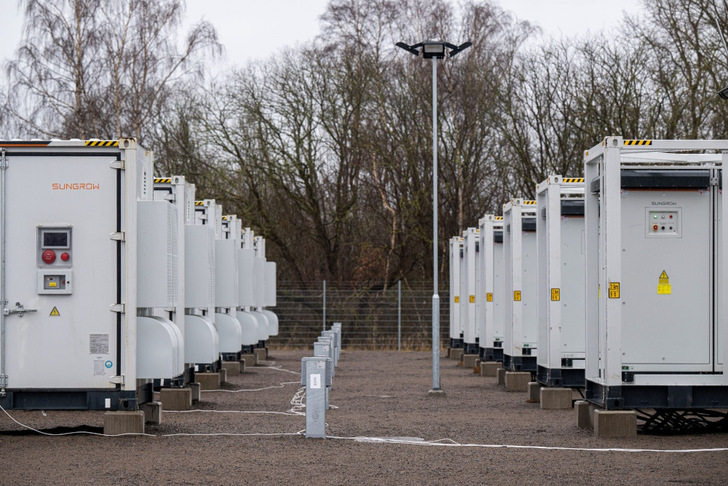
{"points": [[654, 228], [49, 256], [65, 256]]}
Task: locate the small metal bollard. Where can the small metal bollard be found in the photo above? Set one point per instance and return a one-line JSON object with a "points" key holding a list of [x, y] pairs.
{"points": [[332, 349], [336, 326], [322, 349], [316, 377], [334, 354]]}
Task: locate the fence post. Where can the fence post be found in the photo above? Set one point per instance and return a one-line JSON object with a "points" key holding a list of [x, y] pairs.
{"points": [[324, 305], [399, 315]]}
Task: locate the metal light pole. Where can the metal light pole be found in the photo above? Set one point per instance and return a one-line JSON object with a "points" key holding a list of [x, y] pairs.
{"points": [[434, 50]]}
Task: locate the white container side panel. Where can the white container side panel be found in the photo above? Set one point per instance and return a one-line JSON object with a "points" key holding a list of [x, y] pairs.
{"points": [[454, 288], [529, 295], [230, 333], [467, 288], [226, 273], [665, 330], [263, 325], [199, 266], [160, 349], [157, 254], [573, 284], [721, 332], [499, 293], [248, 327], [202, 342], [246, 277], [70, 342], [270, 285], [259, 281], [510, 285]]}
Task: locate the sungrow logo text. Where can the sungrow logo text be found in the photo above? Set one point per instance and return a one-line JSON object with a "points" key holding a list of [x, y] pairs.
{"points": [[75, 186]]}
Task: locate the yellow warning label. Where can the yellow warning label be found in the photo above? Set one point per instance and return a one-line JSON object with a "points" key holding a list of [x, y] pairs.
{"points": [[555, 294], [489, 296], [663, 284], [54, 312], [517, 295], [614, 290], [472, 299], [457, 299]]}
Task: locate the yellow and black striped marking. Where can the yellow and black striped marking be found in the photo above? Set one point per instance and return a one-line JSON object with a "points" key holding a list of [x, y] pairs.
{"points": [[499, 218], [637, 142], [102, 143], [162, 180], [574, 180], [529, 203], [199, 203]]}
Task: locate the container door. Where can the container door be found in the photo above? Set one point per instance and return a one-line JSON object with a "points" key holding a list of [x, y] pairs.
{"points": [[61, 263]]}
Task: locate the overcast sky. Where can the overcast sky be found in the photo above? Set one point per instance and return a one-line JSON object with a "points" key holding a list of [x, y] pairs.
{"points": [[251, 29]]}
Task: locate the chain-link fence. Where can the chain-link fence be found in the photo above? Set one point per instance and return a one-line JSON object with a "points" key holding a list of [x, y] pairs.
{"points": [[399, 317]]}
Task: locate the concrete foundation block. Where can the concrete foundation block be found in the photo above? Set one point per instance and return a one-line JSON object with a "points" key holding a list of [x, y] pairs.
{"points": [[232, 367], [500, 373], [584, 411], [208, 381], [152, 412], [555, 398], [534, 392], [250, 360], [176, 398], [242, 365], [489, 368], [116, 423], [517, 380], [456, 353], [195, 390], [223, 375], [615, 423], [469, 361], [260, 355]]}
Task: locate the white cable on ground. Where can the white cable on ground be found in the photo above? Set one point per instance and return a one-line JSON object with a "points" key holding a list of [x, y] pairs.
{"points": [[272, 387], [252, 412], [297, 402], [451, 443], [276, 368]]}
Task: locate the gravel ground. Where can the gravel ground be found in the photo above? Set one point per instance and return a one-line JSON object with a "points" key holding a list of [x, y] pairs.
{"points": [[376, 395]]}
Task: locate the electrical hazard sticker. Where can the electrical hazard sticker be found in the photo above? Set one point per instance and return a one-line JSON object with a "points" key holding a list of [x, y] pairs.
{"points": [[614, 290], [457, 299], [489, 296], [555, 294], [472, 299], [663, 284], [516, 295], [54, 312]]}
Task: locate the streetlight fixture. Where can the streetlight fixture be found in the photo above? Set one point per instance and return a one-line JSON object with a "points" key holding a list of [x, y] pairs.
{"points": [[434, 49]]}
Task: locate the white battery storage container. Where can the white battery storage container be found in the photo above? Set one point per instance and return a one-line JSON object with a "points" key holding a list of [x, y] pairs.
{"points": [[259, 279], [493, 283], [69, 237], [228, 326], [196, 274], [232, 227], [470, 247], [270, 297], [656, 288], [561, 325], [521, 280], [456, 333]]}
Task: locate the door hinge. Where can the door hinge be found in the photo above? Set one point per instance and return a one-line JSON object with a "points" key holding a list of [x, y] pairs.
{"points": [[118, 236], [117, 380], [121, 308], [118, 164]]}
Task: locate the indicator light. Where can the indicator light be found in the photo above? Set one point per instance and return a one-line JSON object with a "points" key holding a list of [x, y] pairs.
{"points": [[655, 216], [654, 228], [65, 256], [49, 256]]}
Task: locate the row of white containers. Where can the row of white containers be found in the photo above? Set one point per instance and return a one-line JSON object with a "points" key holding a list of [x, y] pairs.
{"points": [[616, 283], [113, 282]]}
